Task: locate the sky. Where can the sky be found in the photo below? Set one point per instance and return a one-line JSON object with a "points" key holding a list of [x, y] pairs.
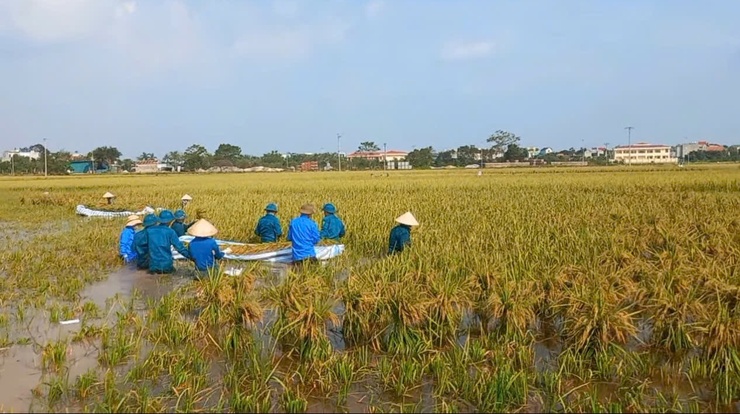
{"points": [[289, 75]]}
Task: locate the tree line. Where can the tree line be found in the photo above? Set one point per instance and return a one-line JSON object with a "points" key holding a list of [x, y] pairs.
{"points": [[504, 148]]}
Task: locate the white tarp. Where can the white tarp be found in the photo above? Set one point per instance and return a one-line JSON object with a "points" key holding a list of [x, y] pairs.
{"points": [[88, 212], [276, 256]]}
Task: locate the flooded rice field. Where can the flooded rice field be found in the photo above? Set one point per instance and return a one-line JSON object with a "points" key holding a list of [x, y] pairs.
{"points": [[568, 292]]}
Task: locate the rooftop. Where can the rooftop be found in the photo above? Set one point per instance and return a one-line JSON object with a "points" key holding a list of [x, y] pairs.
{"points": [[643, 145]]}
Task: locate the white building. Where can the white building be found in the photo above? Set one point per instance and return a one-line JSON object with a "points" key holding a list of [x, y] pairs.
{"points": [[34, 155], [644, 153], [533, 151]]}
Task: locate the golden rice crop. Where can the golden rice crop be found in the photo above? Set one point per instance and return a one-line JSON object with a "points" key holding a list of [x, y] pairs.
{"points": [[532, 290]]}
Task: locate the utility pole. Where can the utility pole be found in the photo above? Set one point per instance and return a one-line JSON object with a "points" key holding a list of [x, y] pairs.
{"points": [[339, 152], [606, 151], [12, 164], [629, 143], [385, 157], [45, 151]]}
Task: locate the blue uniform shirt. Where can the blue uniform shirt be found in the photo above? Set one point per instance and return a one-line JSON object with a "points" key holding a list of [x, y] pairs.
{"points": [[141, 246], [332, 227], [160, 254], [179, 227], [126, 244], [304, 234], [204, 250], [400, 238], [268, 228]]}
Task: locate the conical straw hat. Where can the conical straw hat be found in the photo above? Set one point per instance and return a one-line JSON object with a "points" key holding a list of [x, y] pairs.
{"points": [[202, 228], [186, 198], [133, 217], [133, 222], [108, 195], [407, 218]]}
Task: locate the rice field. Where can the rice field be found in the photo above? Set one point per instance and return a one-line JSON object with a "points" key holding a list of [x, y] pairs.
{"points": [[568, 290]]}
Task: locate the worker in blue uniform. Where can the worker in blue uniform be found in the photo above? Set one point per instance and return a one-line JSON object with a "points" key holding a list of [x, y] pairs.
{"points": [[268, 227], [332, 226], [179, 225], [303, 233], [203, 248], [400, 237], [126, 239], [141, 242], [161, 237]]}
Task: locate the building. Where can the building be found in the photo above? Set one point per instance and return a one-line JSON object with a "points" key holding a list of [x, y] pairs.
{"points": [[533, 152], [544, 151], [644, 153], [683, 150], [391, 155], [23, 152], [309, 166], [87, 167]]}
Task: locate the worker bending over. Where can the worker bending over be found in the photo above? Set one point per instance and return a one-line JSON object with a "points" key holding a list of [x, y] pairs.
{"points": [[126, 240], [332, 226], [268, 227], [303, 233], [400, 237], [160, 238]]}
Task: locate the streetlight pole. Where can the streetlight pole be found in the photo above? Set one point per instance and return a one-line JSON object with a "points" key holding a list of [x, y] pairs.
{"points": [[385, 157], [45, 151], [606, 152], [339, 152], [629, 143]]}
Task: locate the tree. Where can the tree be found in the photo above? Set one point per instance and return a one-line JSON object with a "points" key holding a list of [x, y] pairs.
{"points": [[445, 158], [196, 157], [502, 140], [468, 154], [515, 153], [227, 152], [127, 164], [421, 158], [273, 159], [174, 158], [108, 155], [145, 156], [368, 146]]}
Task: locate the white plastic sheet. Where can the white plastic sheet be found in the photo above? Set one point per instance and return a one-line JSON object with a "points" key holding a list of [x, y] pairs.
{"points": [[275, 256], [88, 212]]}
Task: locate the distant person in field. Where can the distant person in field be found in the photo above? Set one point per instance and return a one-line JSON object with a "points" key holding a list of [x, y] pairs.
{"points": [[400, 237], [141, 242], [179, 225], [331, 225], [161, 237], [268, 227], [203, 248], [303, 233], [126, 239]]}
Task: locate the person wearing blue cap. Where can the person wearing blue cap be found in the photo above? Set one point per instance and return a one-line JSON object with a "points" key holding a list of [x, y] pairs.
{"points": [[331, 226], [179, 225], [141, 242], [161, 237], [268, 227]]}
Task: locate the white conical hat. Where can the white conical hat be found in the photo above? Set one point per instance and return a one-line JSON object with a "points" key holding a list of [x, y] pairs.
{"points": [[186, 197], [108, 195], [133, 217], [407, 218], [133, 222], [202, 228]]}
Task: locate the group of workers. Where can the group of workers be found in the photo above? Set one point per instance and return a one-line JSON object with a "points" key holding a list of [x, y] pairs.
{"points": [[150, 247]]}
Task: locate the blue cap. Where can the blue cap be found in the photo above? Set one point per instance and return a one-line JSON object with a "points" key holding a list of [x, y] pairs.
{"points": [[180, 214], [329, 208], [272, 207], [150, 220], [165, 216]]}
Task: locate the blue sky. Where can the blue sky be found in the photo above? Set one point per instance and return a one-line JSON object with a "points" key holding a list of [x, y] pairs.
{"points": [[160, 75]]}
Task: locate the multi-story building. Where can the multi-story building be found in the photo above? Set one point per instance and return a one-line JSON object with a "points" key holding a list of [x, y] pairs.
{"points": [[390, 155], [682, 150], [24, 152], [644, 153]]}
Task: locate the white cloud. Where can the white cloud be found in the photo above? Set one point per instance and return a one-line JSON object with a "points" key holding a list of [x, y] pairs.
{"points": [[466, 50], [374, 8]]}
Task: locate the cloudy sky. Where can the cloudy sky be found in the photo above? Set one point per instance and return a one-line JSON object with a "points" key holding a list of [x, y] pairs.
{"points": [[160, 75]]}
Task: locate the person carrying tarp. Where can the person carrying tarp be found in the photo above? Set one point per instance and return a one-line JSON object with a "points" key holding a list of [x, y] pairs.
{"points": [[161, 237], [303, 233], [203, 248], [141, 242], [268, 227], [332, 226], [179, 225], [126, 239], [400, 237]]}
